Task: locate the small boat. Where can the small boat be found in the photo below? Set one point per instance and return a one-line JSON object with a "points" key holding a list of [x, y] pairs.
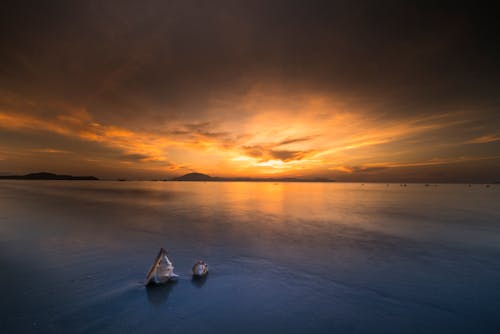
{"points": [[200, 268], [161, 270]]}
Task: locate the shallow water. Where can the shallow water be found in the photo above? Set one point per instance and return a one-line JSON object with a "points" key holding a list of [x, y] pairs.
{"points": [[284, 257]]}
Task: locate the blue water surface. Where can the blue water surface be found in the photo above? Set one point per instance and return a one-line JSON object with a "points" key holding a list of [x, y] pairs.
{"points": [[284, 257]]}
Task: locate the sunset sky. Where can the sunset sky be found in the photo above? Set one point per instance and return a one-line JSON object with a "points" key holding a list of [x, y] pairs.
{"points": [[348, 90]]}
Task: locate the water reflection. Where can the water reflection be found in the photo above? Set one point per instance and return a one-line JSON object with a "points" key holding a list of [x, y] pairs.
{"points": [[198, 281], [342, 250], [158, 294]]}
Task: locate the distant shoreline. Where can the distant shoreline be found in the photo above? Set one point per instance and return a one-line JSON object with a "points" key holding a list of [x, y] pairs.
{"points": [[198, 177], [392, 183], [48, 176], [204, 177], [223, 179], [256, 180]]}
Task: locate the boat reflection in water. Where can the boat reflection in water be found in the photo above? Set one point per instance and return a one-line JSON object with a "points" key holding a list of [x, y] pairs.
{"points": [[158, 294]]}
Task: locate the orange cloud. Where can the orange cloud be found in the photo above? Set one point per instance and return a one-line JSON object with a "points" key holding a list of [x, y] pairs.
{"points": [[484, 139], [321, 136], [431, 162], [81, 125]]}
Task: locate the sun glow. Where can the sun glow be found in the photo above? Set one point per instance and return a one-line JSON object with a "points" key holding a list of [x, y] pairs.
{"points": [[322, 137]]}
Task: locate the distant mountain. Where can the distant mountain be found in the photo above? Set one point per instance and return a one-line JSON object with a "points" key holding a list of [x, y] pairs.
{"points": [[46, 176], [193, 177], [204, 177]]}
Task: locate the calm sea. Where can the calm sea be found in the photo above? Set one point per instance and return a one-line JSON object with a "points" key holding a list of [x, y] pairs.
{"points": [[283, 257]]}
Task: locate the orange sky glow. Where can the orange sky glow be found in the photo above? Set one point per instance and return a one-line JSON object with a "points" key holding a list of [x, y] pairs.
{"points": [[261, 89], [315, 136]]}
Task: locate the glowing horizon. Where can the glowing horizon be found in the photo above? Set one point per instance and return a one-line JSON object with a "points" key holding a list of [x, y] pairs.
{"points": [[320, 139]]}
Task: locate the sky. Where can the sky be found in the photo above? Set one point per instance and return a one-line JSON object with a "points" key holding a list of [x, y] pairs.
{"points": [[401, 91]]}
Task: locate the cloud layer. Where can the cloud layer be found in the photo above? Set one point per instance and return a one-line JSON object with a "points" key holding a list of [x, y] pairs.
{"points": [[372, 91]]}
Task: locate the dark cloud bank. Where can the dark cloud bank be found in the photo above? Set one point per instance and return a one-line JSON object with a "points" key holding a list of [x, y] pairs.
{"points": [[119, 55]]}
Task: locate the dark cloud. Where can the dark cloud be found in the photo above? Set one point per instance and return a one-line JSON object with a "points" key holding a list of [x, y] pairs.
{"points": [[294, 140], [164, 60], [266, 153], [205, 129], [135, 157], [255, 151], [286, 156]]}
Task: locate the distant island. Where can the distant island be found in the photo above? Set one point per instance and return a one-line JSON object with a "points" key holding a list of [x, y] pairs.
{"points": [[205, 177], [46, 176], [194, 177]]}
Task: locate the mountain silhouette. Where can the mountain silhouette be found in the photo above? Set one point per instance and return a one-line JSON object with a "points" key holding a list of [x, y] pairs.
{"points": [[205, 177], [194, 177], [46, 176]]}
